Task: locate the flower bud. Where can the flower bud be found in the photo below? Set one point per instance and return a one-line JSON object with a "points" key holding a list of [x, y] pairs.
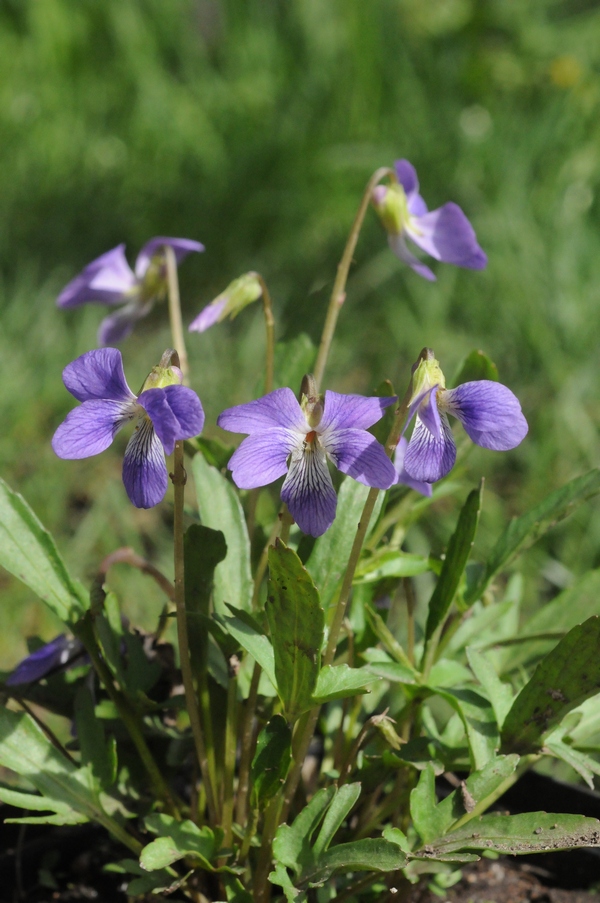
{"points": [[427, 375], [238, 295], [391, 207], [164, 374]]}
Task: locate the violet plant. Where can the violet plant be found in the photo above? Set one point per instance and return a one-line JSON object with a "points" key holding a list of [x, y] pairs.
{"points": [[327, 686]]}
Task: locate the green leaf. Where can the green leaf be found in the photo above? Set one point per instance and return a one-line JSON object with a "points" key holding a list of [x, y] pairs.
{"points": [[62, 813], [562, 680], [203, 550], [387, 638], [291, 846], [479, 723], [582, 764], [386, 563], [296, 623], [475, 366], [499, 693], [338, 681], [474, 792], [427, 819], [271, 760], [94, 749], [341, 805], [28, 551], [292, 360], [178, 840], [569, 608], [369, 855], [246, 630], [220, 509], [532, 832], [328, 559], [523, 531], [26, 750], [455, 562]]}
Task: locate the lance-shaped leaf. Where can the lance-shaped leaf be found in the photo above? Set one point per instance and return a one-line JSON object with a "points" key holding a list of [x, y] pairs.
{"points": [[271, 760], [479, 722], [563, 679], [473, 794], [249, 634], [455, 562], [532, 832], [388, 563], [339, 681], [220, 509], [328, 559], [28, 551], [203, 550], [424, 811], [26, 750], [370, 855], [523, 531], [296, 623], [177, 840], [499, 693]]}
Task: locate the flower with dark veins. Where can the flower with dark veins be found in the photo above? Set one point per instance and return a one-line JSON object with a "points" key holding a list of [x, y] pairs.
{"points": [[297, 439], [164, 412], [110, 280], [445, 234], [489, 412]]}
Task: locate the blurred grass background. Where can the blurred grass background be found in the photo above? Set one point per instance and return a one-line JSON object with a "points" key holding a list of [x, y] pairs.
{"points": [[253, 126]]}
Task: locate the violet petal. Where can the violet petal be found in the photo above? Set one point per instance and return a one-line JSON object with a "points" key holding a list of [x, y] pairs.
{"points": [[105, 280], [208, 316], [176, 413], [308, 491], [397, 244], [278, 408], [47, 658], [262, 458], [352, 411], [447, 235], [407, 176], [90, 428], [144, 469], [360, 455], [402, 476], [490, 413], [98, 374], [181, 246], [428, 459], [119, 325]]}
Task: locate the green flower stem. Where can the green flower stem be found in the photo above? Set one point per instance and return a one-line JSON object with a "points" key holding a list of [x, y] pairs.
{"points": [[178, 478], [230, 748], [248, 837], [270, 328], [410, 614], [338, 295], [175, 314], [247, 746], [262, 887], [128, 715]]}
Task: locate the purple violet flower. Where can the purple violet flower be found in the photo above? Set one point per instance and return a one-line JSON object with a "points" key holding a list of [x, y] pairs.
{"points": [[402, 476], [110, 280], [50, 657], [489, 412], [445, 234], [287, 437], [165, 411]]}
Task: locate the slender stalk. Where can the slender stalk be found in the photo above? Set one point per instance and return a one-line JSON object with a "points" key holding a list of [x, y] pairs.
{"points": [[176, 322], [410, 614], [126, 555], [49, 733], [270, 328], [230, 748], [262, 888], [247, 746], [338, 295], [248, 836], [179, 478], [264, 560], [130, 718]]}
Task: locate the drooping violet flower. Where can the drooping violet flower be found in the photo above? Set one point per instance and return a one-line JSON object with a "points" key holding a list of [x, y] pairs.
{"points": [[164, 412], [287, 437], [50, 657], [446, 234], [489, 412], [238, 295], [110, 280]]}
